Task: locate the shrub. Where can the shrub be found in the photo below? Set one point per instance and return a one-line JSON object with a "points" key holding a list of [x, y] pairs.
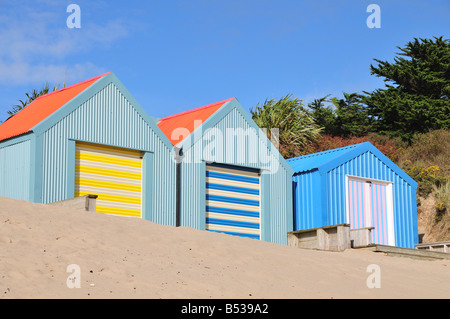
{"points": [[297, 128], [429, 149], [442, 196], [327, 142], [427, 177], [427, 160]]}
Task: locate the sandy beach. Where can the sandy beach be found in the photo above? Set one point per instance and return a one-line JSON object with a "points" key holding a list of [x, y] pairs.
{"points": [[120, 257]]}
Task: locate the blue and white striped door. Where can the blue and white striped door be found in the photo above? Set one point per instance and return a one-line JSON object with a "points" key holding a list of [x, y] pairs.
{"points": [[233, 200]]}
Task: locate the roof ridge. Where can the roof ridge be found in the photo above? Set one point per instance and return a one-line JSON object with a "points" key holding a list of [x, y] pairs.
{"points": [[194, 110], [323, 152], [72, 86]]}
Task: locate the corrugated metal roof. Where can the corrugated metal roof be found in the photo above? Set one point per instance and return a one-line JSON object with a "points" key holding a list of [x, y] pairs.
{"points": [[328, 160], [41, 108], [314, 161], [188, 120], [322, 196]]}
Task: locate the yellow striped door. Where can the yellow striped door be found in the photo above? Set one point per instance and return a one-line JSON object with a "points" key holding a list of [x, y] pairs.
{"points": [[114, 174]]}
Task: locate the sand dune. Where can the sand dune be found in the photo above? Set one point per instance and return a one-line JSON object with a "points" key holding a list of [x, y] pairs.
{"points": [[121, 257]]}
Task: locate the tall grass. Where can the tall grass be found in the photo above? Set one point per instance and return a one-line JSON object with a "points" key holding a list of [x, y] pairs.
{"points": [[430, 149], [442, 196], [427, 160]]}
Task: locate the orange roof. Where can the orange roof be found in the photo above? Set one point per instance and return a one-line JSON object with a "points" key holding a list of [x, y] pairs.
{"points": [[41, 108], [188, 120]]}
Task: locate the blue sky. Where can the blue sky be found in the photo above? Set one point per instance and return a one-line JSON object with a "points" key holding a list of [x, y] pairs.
{"points": [[177, 55]]}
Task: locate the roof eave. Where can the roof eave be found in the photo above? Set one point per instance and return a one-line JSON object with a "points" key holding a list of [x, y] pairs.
{"points": [[92, 89], [217, 116], [15, 139], [358, 150]]}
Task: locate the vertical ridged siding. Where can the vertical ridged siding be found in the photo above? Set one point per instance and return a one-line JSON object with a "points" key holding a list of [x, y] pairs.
{"points": [[304, 201], [280, 210], [15, 171], [193, 174], [108, 118], [334, 200]]}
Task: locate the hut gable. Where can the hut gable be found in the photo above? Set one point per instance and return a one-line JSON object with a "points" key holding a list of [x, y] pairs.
{"points": [[357, 185]]}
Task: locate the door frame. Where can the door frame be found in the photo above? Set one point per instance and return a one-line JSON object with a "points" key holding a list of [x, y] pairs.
{"points": [[389, 203], [260, 189], [146, 170]]}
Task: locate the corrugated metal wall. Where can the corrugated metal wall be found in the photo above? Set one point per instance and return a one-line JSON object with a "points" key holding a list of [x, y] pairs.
{"points": [[220, 144], [108, 118], [15, 170], [307, 200], [334, 197], [280, 206]]}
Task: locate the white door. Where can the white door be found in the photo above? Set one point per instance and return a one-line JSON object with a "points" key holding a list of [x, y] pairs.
{"points": [[369, 204]]}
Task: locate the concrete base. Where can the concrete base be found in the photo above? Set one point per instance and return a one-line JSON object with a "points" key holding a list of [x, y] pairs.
{"points": [[361, 237], [408, 252], [443, 247], [87, 202], [341, 237], [334, 238]]}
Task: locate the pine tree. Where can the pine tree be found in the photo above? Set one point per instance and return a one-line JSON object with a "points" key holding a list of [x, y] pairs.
{"points": [[323, 115], [352, 118], [346, 117], [416, 94]]}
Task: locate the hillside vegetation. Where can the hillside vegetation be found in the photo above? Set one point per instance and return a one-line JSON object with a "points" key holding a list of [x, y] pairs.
{"points": [[427, 161], [408, 120]]}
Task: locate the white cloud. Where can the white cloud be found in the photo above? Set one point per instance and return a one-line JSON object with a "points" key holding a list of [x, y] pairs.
{"points": [[36, 45], [20, 73]]}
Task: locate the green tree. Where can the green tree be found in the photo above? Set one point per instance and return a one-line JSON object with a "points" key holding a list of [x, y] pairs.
{"points": [[323, 115], [352, 117], [345, 117], [416, 94], [296, 127]]}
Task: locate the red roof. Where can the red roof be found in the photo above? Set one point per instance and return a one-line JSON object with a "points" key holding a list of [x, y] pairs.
{"points": [[41, 108], [188, 120]]}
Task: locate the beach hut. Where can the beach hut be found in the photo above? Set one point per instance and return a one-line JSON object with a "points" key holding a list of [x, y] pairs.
{"points": [[356, 185], [231, 178], [92, 137]]}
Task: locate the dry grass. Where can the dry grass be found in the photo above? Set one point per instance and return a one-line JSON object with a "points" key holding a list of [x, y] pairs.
{"points": [[429, 149], [434, 215], [427, 160]]}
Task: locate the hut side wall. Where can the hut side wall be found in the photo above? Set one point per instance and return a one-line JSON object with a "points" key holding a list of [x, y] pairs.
{"points": [[320, 199], [15, 169], [109, 118], [234, 141]]}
